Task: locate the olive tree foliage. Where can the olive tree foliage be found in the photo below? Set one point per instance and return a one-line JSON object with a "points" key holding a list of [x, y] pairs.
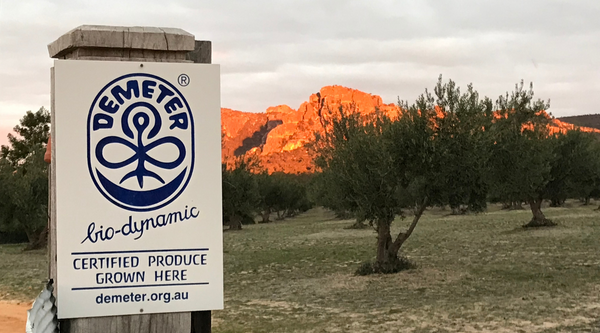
{"points": [[24, 179], [240, 192], [522, 152], [529, 163], [270, 193], [33, 132], [24, 198], [360, 167], [329, 195], [462, 138], [283, 194], [382, 168], [248, 191], [294, 197], [574, 168]]}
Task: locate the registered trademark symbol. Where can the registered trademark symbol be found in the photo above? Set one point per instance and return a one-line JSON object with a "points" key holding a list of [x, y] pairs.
{"points": [[183, 80]]}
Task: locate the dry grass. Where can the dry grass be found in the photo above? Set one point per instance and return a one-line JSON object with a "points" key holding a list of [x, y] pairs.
{"points": [[477, 273], [22, 273]]}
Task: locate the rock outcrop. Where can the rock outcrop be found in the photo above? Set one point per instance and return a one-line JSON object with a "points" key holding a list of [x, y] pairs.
{"points": [[279, 136]]}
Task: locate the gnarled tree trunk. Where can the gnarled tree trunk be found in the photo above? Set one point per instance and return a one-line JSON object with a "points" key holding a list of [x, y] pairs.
{"points": [[37, 240], [459, 210], [539, 219], [387, 254], [266, 214], [387, 250], [557, 202], [235, 222], [456, 210]]}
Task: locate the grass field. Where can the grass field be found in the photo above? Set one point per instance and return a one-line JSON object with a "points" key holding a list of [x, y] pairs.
{"points": [[477, 273], [22, 274]]}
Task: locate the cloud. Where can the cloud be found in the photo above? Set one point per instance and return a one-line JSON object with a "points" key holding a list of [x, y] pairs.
{"points": [[280, 51]]}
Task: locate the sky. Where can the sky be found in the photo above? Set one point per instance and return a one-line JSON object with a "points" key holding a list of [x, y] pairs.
{"points": [[276, 52]]}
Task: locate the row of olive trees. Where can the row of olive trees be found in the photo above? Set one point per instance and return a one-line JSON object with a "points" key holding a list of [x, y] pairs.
{"points": [[450, 148], [248, 193], [24, 181]]}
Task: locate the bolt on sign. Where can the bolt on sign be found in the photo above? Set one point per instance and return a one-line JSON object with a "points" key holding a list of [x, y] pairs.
{"points": [[138, 188]]}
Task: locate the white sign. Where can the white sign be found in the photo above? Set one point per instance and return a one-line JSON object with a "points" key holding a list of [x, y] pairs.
{"points": [[138, 188]]}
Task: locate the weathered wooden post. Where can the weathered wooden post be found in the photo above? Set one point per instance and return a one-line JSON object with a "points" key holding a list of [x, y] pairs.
{"points": [[135, 240]]}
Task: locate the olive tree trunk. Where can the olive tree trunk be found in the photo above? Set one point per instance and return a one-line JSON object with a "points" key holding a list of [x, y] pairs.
{"points": [[37, 238], [387, 249], [266, 214], [387, 253], [539, 219], [235, 222]]}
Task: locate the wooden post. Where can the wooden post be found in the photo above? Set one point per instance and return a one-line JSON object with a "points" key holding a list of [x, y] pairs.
{"points": [[202, 53], [201, 321], [124, 44]]}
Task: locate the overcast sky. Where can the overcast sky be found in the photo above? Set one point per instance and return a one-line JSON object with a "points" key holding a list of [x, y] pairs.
{"points": [[279, 52]]}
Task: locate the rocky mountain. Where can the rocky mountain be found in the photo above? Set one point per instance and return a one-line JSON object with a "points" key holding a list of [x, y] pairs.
{"points": [[280, 137]]}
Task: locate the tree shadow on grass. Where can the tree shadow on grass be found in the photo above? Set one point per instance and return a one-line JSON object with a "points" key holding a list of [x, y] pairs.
{"points": [[522, 229]]}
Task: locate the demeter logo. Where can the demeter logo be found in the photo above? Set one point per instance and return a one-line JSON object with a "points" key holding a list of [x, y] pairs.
{"points": [[140, 142]]}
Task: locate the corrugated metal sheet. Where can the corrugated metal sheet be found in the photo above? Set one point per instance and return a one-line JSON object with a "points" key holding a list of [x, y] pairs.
{"points": [[42, 316]]}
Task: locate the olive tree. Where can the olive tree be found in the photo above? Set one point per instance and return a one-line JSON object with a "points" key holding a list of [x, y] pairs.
{"points": [[387, 168], [240, 192], [522, 151], [24, 179]]}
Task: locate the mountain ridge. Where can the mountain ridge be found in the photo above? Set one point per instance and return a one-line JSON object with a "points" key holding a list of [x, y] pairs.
{"points": [[279, 136], [584, 120]]}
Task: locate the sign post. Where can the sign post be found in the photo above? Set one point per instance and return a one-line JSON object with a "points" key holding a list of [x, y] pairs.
{"points": [[135, 230]]}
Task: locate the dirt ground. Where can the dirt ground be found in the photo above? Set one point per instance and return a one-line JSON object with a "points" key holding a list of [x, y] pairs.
{"points": [[13, 317]]}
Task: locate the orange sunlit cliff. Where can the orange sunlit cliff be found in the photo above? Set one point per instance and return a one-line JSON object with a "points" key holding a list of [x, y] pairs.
{"points": [[278, 137]]}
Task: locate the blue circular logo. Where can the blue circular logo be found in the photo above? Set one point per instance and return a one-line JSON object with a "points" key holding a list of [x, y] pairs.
{"points": [[140, 142]]}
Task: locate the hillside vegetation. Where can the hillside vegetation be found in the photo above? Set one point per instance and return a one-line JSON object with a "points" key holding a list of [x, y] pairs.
{"points": [[587, 120]]}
